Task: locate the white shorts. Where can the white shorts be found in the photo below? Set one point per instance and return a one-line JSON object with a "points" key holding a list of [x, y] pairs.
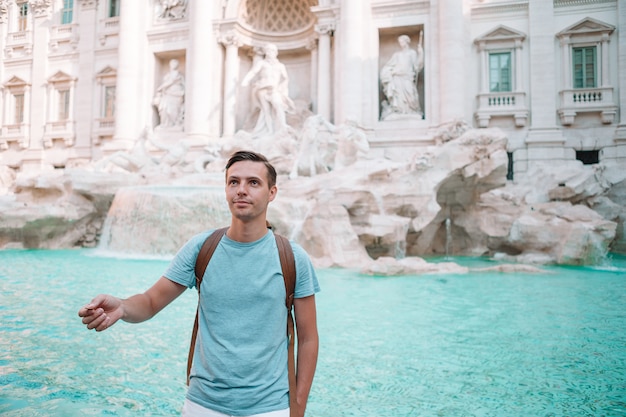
{"points": [[191, 409]]}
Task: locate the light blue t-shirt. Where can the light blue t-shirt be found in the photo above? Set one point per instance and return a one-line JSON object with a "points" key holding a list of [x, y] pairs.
{"points": [[240, 358]]}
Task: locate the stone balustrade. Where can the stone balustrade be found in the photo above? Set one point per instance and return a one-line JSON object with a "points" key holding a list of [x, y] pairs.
{"points": [[587, 100], [502, 104]]}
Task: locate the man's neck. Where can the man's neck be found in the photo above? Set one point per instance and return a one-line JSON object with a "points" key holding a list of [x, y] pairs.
{"points": [[241, 231]]}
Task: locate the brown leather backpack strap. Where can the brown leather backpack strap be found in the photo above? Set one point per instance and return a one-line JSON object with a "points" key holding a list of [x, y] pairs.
{"points": [[204, 256], [288, 265]]}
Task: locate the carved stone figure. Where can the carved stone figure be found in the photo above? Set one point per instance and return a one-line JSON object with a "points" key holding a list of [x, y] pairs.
{"points": [[270, 92], [170, 97], [399, 79], [173, 9]]}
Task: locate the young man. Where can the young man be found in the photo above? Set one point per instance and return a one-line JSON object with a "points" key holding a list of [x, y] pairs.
{"points": [[240, 361]]}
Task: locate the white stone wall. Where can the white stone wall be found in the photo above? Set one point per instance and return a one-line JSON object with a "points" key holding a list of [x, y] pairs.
{"points": [[343, 49]]}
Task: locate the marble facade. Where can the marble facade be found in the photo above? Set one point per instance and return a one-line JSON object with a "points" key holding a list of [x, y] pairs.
{"points": [[78, 84]]}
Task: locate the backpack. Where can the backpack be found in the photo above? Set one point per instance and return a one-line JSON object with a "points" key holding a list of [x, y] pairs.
{"points": [[288, 266]]}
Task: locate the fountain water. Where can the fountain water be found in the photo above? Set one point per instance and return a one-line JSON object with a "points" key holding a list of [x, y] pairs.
{"points": [[448, 223]]}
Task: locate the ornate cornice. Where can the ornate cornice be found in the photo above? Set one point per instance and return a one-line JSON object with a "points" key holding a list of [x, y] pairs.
{"points": [[325, 29], [230, 38], [3, 11], [40, 8], [514, 6], [88, 4]]}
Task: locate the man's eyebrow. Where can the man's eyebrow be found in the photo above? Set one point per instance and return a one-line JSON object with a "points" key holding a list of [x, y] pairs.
{"points": [[252, 177]]}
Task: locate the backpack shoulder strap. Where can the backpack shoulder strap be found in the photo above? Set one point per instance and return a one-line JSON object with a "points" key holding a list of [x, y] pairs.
{"points": [[204, 256], [288, 265], [206, 251]]}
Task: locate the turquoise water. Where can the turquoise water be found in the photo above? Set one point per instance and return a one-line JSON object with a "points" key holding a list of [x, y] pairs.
{"points": [[440, 345]]}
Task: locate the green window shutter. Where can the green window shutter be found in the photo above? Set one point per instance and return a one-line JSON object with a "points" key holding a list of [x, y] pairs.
{"points": [[114, 8], [584, 67], [500, 72], [67, 12]]}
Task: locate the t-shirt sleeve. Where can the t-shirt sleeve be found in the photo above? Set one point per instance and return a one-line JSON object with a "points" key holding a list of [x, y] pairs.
{"points": [[182, 268], [306, 279]]}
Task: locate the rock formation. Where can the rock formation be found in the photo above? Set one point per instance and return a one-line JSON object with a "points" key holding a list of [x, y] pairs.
{"points": [[377, 215]]}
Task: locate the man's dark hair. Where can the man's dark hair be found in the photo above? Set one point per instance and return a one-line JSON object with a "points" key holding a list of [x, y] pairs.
{"points": [[254, 157]]}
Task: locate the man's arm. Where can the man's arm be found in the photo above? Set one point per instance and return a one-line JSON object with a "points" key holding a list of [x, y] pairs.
{"points": [[105, 310], [308, 345]]}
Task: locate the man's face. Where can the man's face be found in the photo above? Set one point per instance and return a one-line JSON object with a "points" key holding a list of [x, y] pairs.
{"points": [[247, 190]]}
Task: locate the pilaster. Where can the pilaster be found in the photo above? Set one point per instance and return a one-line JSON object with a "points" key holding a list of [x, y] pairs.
{"points": [[452, 57], [41, 38], [128, 120], [87, 24], [352, 28], [543, 83], [620, 132], [200, 67], [231, 78]]}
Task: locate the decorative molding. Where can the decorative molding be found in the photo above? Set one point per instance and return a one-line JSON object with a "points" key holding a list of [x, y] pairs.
{"points": [[515, 6], [4, 11], [573, 3], [399, 7]]}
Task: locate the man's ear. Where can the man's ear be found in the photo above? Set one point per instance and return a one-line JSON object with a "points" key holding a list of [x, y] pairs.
{"points": [[273, 192]]}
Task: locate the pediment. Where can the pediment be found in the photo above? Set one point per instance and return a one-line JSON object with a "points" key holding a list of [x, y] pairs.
{"points": [[15, 82], [107, 72], [587, 26], [60, 77], [501, 33]]}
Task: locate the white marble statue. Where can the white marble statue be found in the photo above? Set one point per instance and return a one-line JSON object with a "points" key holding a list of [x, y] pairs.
{"points": [[140, 159], [316, 148], [170, 98], [270, 92], [399, 79], [352, 144], [132, 160]]}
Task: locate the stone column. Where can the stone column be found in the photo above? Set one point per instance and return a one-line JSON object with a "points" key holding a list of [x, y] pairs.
{"points": [[566, 70], [41, 39], [484, 68], [84, 94], [519, 86], [200, 67], [324, 70], [605, 82], [543, 83], [311, 46], [4, 13], [231, 81], [350, 61], [452, 46], [128, 125], [620, 133]]}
